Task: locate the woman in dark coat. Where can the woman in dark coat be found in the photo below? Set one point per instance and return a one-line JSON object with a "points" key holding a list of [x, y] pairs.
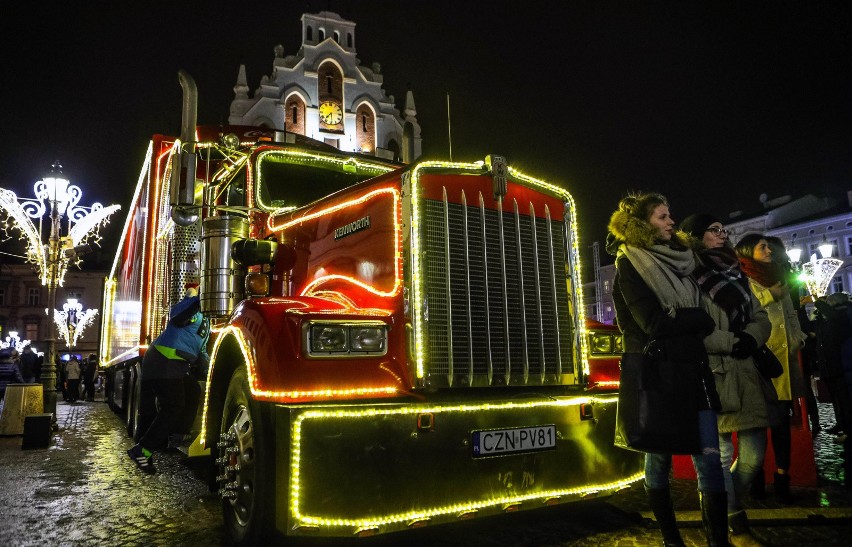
{"points": [[656, 299], [742, 325]]}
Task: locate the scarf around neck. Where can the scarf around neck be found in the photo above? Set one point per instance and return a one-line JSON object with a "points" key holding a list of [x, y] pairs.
{"points": [[666, 271], [766, 273], [719, 276]]}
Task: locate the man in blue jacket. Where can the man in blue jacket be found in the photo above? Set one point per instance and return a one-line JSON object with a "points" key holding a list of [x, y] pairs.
{"points": [[166, 376]]}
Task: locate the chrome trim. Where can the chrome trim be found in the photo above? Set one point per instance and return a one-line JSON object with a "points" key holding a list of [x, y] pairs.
{"points": [[448, 270], [522, 296], [490, 373], [506, 333], [538, 292], [553, 288], [467, 289], [306, 341]]}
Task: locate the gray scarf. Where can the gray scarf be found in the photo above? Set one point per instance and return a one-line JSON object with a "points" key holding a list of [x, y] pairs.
{"points": [[666, 271]]}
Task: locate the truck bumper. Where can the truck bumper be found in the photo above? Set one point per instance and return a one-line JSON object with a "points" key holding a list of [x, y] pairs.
{"points": [[376, 468]]}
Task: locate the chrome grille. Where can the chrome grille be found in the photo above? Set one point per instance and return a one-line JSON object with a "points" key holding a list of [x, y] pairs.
{"points": [[496, 295]]}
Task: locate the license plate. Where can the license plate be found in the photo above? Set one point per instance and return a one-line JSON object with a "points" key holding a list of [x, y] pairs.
{"points": [[500, 442]]}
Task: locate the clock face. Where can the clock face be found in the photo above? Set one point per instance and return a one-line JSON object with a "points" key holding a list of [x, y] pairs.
{"points": [[330, 113]]}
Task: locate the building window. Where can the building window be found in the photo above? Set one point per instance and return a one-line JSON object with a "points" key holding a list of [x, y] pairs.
{"points": [[836, 285], [294, 115], [321, 35], [848, 245], [31, 331], [336, 36], [33, 296], [74, 293], [328, 82]]}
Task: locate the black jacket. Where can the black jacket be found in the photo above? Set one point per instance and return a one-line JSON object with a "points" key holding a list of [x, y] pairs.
{"points": [[642, 319]]}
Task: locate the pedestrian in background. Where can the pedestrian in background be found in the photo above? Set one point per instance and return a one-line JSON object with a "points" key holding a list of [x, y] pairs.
{"points": [[61, 376], [166, 376], [90, 370], [72, 372], [655, 297], [9, 371], [769, 284], [29, 360], [742, 325], [834, 328]]}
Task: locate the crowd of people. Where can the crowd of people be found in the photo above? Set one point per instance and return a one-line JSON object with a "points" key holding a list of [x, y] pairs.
{"points": [[76, 379], [717, 305]]}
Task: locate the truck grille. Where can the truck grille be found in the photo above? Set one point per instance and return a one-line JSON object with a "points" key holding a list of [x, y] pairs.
{"points": [[496, 306]]}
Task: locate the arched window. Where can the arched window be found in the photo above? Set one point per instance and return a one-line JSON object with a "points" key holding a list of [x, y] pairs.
{"points": [[336, 36], [363, 121], [294, 119], [321, 35], [348, 39], [309, 34]]}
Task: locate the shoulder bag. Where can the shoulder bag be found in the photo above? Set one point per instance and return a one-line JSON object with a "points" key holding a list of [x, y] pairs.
{"points": [[766, 362], [657, 404]]}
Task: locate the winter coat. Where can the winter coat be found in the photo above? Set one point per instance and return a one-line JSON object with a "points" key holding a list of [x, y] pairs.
{"points": [[641, 318], [834, 333], [785, 341], [72, 370], [29, 363], [182, 343], [739, 384], [9, 374]]}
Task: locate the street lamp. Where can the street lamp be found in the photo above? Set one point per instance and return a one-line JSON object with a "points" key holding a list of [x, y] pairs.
{"points": [[816, 273], [54, 194], [72, 321]]}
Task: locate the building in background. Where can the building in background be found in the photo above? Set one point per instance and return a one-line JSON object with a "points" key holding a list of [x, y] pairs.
{"points": [[805, 222], [323, 92], [23, 301]]}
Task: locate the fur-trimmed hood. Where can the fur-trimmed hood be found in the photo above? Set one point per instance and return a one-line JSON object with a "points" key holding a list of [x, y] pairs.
{"points": [[626, 228]]}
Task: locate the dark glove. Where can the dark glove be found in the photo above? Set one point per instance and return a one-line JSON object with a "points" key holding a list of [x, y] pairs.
{"points": [[694, 320], [744, 345]]}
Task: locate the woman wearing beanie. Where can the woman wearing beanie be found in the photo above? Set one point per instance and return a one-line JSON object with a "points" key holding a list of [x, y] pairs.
{"points": [[742, 325], [786, 339], [655, 298]]}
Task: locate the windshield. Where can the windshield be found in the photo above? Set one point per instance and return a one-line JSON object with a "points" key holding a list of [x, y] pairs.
{"points": [[287, 178]]}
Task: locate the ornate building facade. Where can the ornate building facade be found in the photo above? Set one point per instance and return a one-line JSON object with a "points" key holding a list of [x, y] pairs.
{"points": [[323, 92]]}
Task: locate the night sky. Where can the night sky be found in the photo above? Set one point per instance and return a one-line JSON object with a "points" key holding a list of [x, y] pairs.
{"points": [[710, 103]]}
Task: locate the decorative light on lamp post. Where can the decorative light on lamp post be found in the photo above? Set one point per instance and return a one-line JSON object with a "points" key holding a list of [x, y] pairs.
{"points": [[14, 341], [72, 321], [56, 196], [817, 273]]}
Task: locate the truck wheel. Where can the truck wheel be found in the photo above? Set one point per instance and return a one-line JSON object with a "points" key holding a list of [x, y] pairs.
{"points": [[245, 465], [132, 405]]}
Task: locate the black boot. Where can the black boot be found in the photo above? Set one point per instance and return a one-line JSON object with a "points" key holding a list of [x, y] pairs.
{"points": [[660, 501], [741, 535], [714, 516], [758, 486], [781, 486]]}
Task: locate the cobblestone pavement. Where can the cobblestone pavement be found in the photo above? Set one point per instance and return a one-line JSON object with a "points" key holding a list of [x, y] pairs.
{"points": [[83, 490]]}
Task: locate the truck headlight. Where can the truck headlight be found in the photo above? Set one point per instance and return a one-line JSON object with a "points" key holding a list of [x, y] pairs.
{"points": [[345, 339], [601, 343]]}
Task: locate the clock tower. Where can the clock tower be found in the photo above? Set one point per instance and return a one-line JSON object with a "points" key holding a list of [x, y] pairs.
{"points": [[323, 92]]}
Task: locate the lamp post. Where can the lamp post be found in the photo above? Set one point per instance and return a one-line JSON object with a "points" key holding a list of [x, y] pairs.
{"points": [[56, 195], [71, 321], [816, 273]]}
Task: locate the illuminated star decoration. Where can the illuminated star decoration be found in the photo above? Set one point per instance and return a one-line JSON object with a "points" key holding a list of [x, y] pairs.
{"points": [[818, 273], [72, 321], [83, 224]]}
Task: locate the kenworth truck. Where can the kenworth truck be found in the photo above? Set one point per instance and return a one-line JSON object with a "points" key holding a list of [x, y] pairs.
{"points": [[393, 345]]}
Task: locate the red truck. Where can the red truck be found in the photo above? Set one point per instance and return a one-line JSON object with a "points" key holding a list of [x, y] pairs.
{"points": [[392, 345]]}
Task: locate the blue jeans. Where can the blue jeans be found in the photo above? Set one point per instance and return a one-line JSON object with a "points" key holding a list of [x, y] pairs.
{"points": [[708, 464], [751, 448]]}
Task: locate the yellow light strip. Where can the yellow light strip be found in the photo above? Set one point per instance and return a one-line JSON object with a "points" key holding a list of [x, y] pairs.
{"points": [[312, 520], [310, 289], [248, 356], [337, 163]]}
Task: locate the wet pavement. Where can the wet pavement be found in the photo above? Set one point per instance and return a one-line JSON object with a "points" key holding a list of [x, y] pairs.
{"points": [[83, 490]]}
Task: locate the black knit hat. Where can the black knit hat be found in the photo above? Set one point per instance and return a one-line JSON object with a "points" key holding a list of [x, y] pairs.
{"points": [[696, 225]]}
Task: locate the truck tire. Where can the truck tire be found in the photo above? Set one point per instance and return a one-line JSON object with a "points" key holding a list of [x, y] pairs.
{"points": [[245, 465], [132, 408]]}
